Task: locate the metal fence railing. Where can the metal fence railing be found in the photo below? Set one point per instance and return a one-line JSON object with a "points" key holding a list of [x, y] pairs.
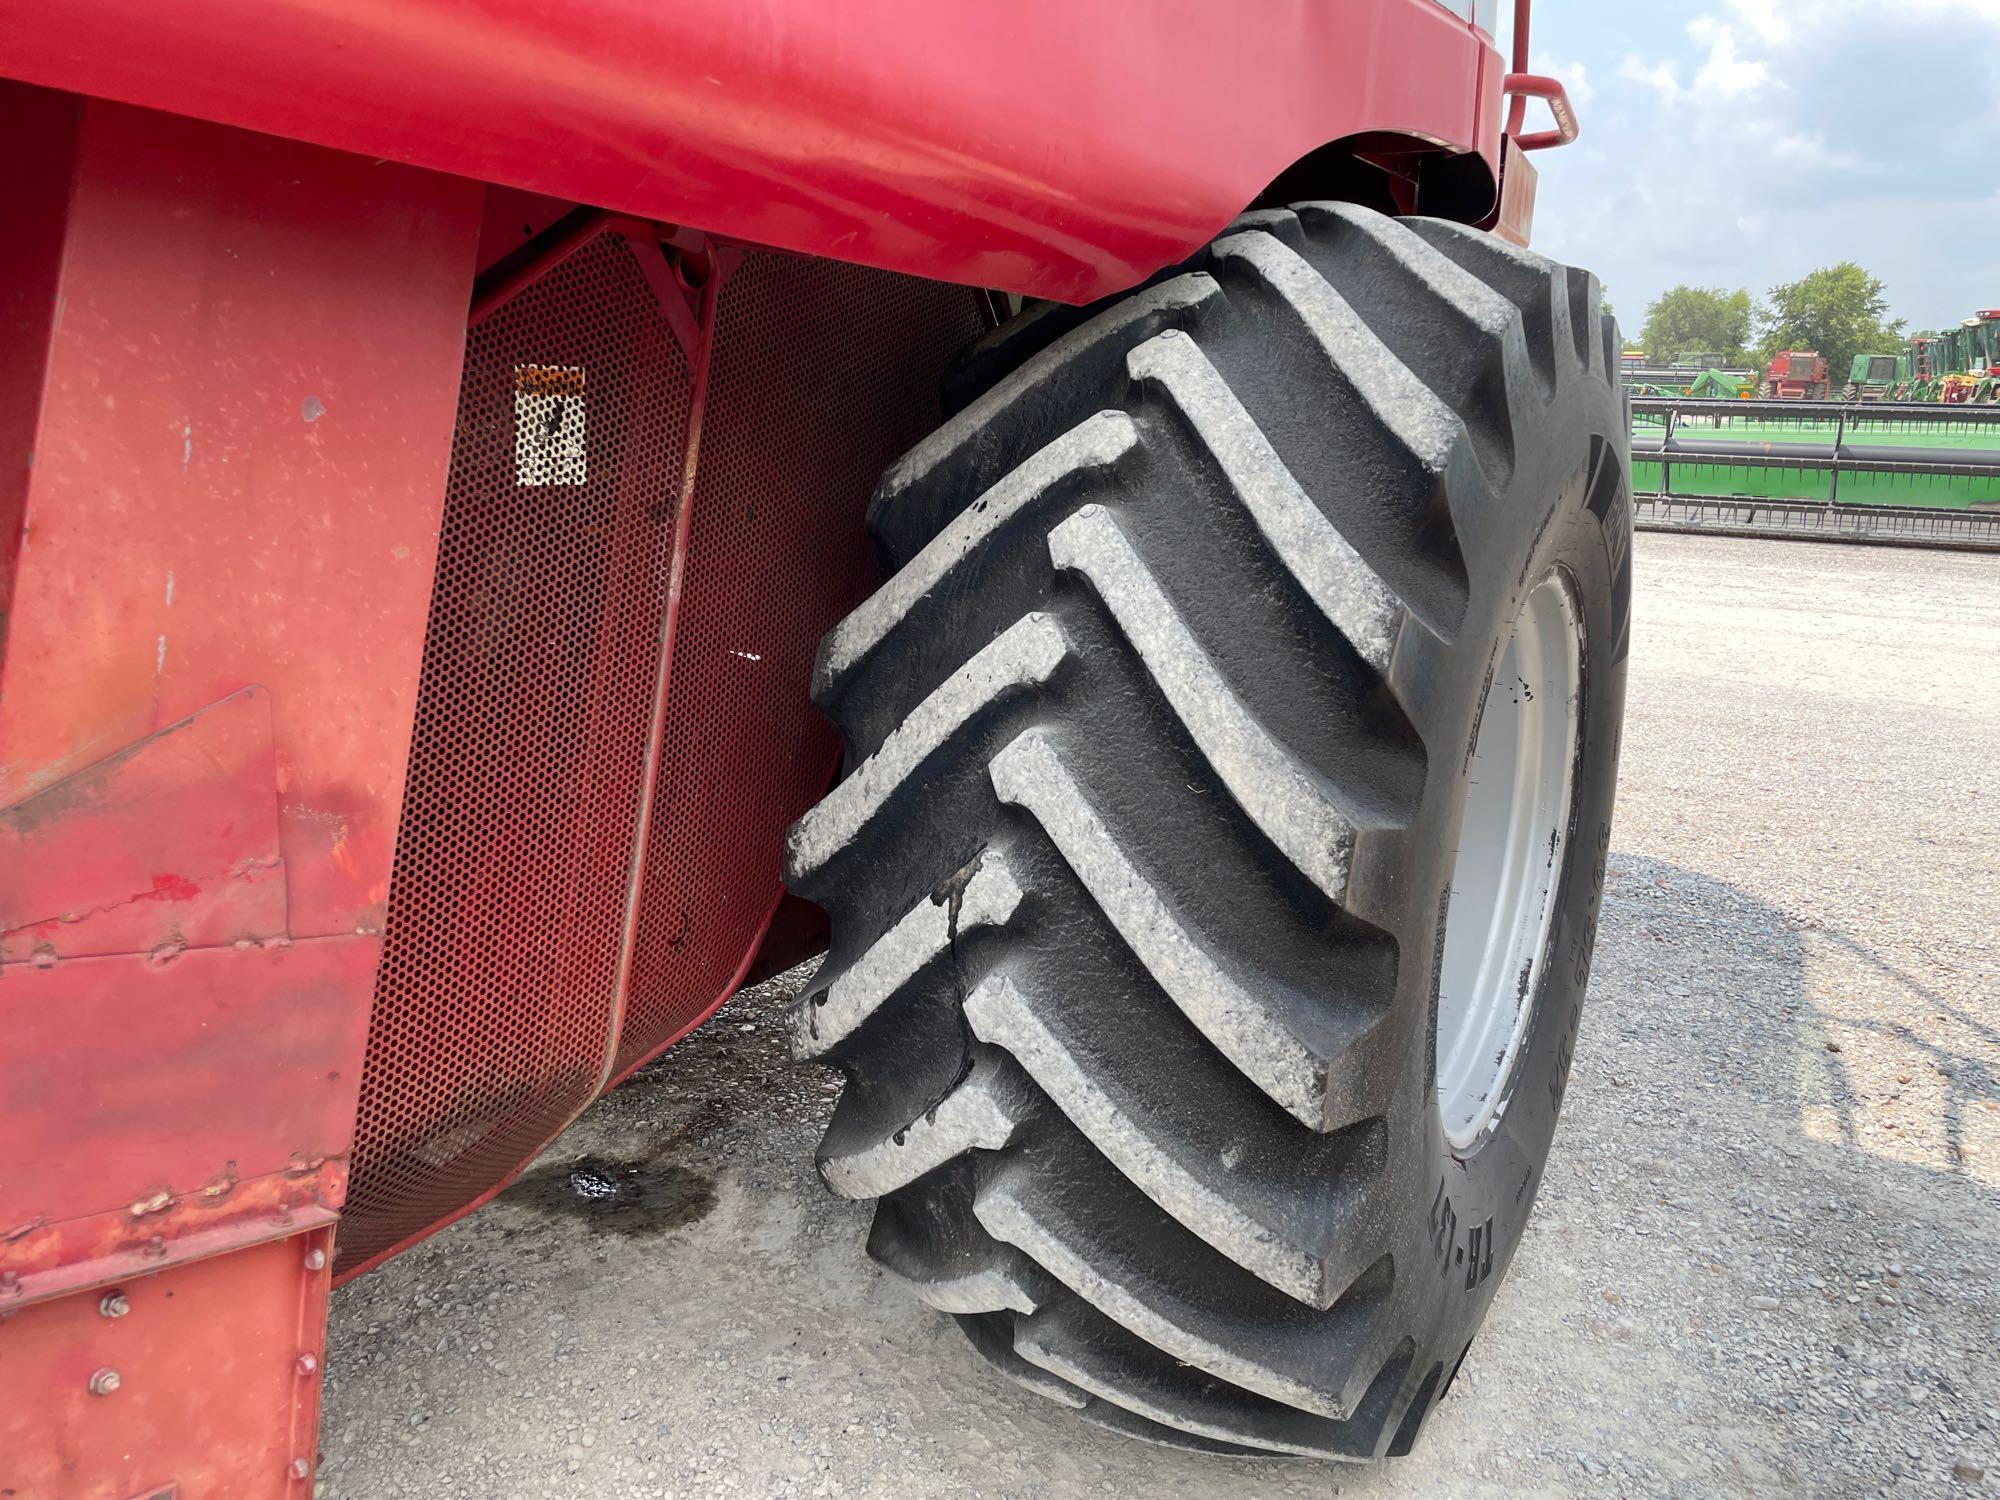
{"points": [[1859, 414], [1915, 474], [1820, 521], [1686, 431]]}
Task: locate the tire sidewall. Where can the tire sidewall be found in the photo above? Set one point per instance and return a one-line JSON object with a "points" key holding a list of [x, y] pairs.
{"points": [[1474, 1204]]}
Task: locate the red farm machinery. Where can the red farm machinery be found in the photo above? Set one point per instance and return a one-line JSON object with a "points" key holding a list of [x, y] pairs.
{"points": [[1796, 375], [515, 520]]}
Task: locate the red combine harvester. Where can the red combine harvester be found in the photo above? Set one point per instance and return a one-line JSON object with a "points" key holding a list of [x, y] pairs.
{"points": [[1796, 375], [1107, 480]]}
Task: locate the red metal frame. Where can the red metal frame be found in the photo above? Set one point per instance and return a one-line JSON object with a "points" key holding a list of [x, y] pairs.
{"points": [[942, 140], [178, 1384], [240, 376], [1521, 87]]}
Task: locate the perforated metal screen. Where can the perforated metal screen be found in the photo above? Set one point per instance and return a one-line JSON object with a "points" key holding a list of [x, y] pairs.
{"points": [[496, 1004], [822, 375]]}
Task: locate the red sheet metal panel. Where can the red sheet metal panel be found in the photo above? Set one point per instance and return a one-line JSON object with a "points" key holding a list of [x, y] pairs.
{"points": [[495, 1010], [149, 1100], [1043, 146], [822, 375], [243, 371], [170, 844], [38, 184], [238, 470], [201, 1382]]}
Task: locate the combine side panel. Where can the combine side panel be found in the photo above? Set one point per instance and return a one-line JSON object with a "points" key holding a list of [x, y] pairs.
{"points": [[241, 356], [822, 374]]}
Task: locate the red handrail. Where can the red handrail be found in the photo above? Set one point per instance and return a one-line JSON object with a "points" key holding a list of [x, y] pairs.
{"points": [[1525, 86]]}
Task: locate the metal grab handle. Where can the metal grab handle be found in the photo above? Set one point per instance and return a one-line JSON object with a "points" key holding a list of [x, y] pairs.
{"points": [[1525, 86]]}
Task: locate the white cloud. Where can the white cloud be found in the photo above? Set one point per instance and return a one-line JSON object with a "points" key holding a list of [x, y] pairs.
{"points": [[1805, 149], [1661, 77], [1575, 77], [1978, 10], [1724, 73], [1765, 20], [1769, 88]]}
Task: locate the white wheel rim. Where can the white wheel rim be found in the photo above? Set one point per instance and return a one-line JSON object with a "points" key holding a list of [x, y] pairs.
{"points": [[1509, 861]]}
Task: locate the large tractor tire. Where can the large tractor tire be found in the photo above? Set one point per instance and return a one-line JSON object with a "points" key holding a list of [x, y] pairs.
{"points": [[1216, 870]]}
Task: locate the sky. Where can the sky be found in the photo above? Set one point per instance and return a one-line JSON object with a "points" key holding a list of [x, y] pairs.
{"points": [[1743, 143]]}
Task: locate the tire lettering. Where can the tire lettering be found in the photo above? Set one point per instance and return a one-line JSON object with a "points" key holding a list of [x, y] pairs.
{"points": [[1581, 946], [1478, 1254], [1618, 537], [1444, 1227], [1472, 1254]]}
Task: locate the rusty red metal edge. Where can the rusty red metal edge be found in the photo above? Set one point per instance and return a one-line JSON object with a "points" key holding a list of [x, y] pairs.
{"points": [[265, 1208], [663, 680], [515, 273]]}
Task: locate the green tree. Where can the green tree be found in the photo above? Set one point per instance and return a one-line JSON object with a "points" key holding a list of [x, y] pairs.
{"points": [[1836, 310], [1698, 320]]}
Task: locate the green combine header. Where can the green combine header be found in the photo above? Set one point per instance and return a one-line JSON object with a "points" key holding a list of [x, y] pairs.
{"points": [[1940, 457]]}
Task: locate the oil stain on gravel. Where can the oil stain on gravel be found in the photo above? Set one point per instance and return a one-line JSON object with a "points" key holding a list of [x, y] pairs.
{"points": [[622, 1197]]}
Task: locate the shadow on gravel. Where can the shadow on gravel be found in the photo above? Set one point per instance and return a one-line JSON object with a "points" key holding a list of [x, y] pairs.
{"points": [[1968, 1078], [1746, 987], [1726, 1289], [1764, 1174]]}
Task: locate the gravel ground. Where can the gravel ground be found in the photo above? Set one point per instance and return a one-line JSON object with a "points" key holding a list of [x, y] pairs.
{"points": [[1767, 1257]]}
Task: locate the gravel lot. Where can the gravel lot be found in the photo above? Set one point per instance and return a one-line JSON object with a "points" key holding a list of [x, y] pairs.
{"points": [[1766, 1260]]}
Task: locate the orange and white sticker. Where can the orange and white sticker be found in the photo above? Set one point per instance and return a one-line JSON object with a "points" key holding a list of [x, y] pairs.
{"points": [[549, 425]]}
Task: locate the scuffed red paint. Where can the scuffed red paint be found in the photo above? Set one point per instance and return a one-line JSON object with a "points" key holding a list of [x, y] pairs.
{"points": [[173, 839], [170, 888]]}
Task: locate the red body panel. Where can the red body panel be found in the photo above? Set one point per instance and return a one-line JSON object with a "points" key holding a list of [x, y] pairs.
{"points": [[216, 1391], [150, 1106], [240, 359], [1041, 146], [258, 343], [171, 844]]}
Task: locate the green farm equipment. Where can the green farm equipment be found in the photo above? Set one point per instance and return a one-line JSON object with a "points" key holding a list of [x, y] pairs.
{"points": [[1720, 385], [1957, 365], [1877, 377], [1937, 458], [1883, 472], [1696, 377]]}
